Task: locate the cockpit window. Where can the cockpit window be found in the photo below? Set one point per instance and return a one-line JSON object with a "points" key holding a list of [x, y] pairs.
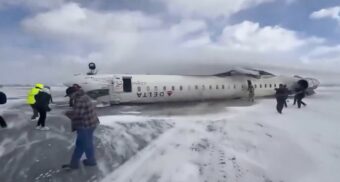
{"points": [[94, 94]]}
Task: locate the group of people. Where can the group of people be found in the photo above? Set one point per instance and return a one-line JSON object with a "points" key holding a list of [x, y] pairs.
{"points": [[84, 119], [282, 94]]}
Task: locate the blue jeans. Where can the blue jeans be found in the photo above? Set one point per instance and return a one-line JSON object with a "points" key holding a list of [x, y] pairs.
{"points": [[84, 144]]}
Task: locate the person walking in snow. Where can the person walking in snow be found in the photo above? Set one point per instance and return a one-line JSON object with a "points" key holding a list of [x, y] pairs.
{"points": [[280, 98], [84, 121], [43, 99], [31, 99], [299, 96], [286, 94], [251, 93]]}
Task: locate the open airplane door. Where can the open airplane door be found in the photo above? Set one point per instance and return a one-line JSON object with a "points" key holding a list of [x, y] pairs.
{"points": [[116, 89], [247, 88]]}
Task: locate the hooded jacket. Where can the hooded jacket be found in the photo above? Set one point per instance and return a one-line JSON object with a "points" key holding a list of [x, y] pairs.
{"points": [[43, 99], [34, 91]]}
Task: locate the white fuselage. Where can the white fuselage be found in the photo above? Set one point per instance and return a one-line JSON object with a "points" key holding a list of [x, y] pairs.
{"points": [[124, 88]]}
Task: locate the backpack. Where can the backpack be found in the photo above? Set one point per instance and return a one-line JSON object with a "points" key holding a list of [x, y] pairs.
{"points": [[3, 98]]}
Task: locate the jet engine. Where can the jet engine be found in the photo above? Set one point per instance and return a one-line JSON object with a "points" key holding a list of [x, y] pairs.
{"points": [[308, 84]]}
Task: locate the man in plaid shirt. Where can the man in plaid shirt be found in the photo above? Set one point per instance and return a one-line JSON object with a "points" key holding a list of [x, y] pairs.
{"points": [[84, 122]]}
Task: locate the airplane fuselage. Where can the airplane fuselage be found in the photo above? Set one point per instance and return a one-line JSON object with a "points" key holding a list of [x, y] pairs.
{"points": [[125, 88]]}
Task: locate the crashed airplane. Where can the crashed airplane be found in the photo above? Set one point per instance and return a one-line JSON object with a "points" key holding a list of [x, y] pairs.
{"points": [[129, 88]]}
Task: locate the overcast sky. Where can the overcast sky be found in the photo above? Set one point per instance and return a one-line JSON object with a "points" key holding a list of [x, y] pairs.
{"points": [[49, 40]]}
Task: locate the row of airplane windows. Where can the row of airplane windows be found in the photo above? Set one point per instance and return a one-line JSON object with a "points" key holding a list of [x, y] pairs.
{"points": [[196, 87]]}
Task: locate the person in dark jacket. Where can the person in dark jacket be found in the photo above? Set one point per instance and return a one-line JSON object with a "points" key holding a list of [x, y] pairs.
{"points": [[299, 96], [280, 98], [3, 100], [43, 99], [251, 93], [84, 121], [286, 94], [48, 90]]}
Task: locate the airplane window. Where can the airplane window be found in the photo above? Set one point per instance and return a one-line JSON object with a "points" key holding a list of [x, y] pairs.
{"points": [[173, 88], [260, 85], [217, 87], [148, 88], [164, 88], [255, 86], [222, 86], [156, 89], [196, 87], [180, 88], [210, 87], [265, 85], [234, 86], [139, 89], [270, 85]]}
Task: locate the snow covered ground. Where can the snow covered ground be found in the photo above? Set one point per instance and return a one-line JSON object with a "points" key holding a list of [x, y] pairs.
{"points": [[243, 144], [199, 143]]}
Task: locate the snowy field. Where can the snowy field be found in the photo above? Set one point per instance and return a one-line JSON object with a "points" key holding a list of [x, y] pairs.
{"points": [[244, 144], [225, 143]]}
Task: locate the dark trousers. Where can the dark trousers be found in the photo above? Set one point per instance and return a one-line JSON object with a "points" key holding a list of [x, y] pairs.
{"points": [[279, 104], [42, 118], [71, 102], [299, 102], [84, 144], [251, 97], [2, 122], [35, 112], [295, 99]]}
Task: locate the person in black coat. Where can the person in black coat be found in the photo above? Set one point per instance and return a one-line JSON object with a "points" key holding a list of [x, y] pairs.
{"points": [[299, 96], [286, 94], [3, 100], [43, 99], [280, 98]]}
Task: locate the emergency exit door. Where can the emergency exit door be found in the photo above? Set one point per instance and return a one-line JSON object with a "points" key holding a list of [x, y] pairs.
{"points": [[249, 83], [127, 85]]}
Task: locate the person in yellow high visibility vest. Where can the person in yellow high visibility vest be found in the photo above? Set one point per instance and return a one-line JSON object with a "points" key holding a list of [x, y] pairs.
{"points": [[31, 98]]}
